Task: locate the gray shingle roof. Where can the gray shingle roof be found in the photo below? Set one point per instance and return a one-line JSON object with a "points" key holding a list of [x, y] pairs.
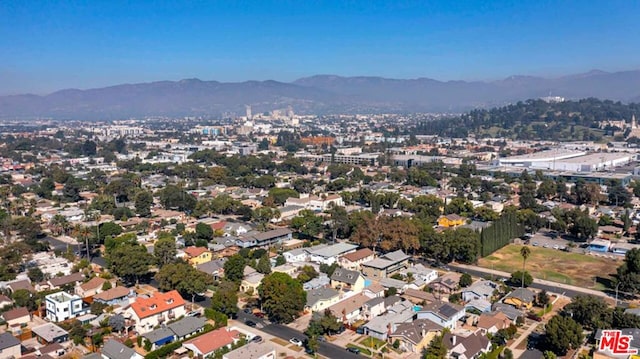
{"points": [[116, 350], [319, 294], [186, 326], [7, 341], [158, 334], [345, 276]]}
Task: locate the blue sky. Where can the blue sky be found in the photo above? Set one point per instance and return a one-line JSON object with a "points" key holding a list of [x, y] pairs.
{"points": [[49, 45]]}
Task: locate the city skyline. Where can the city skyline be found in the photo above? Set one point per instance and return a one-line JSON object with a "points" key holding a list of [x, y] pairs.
{"points": [[65, 45]]}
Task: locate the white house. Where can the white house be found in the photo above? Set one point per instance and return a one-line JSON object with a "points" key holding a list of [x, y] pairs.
{"points": [[62, 306], [444, 314], [329, 254], [155, 310], [296, 255]]}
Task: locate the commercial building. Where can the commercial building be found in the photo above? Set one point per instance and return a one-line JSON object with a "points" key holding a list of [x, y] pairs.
{"points": [[539, 160]]}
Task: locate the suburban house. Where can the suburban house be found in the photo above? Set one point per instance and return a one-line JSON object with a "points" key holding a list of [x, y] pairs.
{"points": [[178, 330], [252, 350], [321, 298], [444, 314], [263, 239], [330, 254], [5, 301], [296, 255], [61, 306], [113, 296], [206, 344], [214, 268], [374, 290], [353, 260], [315, 203], [251, 282], [386, 265], [421, 275], [482, 289], [9, 346], [520, 298], [344, 279], [447, 284], [197, 255], [72, 279], [155, 310], [113, 349], [50, 333], [466, 347], [17, 316], [382, 326], [416, 296], [348, 310], [415, 336], [451, 220], [492, 322], [90, 288]]}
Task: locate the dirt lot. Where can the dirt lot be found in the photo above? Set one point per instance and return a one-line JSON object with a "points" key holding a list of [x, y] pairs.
{"points": [[570, 268]]}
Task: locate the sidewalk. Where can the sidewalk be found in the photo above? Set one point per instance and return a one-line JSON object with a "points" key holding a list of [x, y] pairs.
{"points": [[536, 280]]}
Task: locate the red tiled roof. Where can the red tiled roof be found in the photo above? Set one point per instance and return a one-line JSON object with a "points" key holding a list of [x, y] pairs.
{"points": [[218, 225], [194, 251], [158, 303], [214, 340]]}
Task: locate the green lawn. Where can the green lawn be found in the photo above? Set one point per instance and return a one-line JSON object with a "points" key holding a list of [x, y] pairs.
{"points": [[373, 343]]}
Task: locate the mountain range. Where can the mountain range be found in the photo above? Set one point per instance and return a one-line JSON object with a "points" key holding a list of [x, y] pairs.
{"points": [[319, 94]]}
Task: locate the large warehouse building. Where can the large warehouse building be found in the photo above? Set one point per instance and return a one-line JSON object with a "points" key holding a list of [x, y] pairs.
{"points": [[570, 161]]}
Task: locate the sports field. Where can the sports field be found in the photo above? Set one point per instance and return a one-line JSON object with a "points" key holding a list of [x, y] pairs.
{"points": [[545, 263]]}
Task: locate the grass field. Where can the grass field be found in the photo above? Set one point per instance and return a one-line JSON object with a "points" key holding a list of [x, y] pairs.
{"points": [[554, 265]]}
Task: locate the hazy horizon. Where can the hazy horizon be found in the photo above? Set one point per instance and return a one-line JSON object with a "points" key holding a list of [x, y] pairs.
{"points": [[64, 44]]}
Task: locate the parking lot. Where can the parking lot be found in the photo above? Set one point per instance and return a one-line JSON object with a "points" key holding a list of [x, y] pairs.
{"points": [[550, 239]]}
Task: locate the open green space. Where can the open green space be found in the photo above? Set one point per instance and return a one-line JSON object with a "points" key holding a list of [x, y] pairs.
{"points": [[554, 265]]}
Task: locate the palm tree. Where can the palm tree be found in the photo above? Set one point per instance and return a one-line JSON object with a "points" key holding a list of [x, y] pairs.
{"points": [[82, 234], [524, 252]]}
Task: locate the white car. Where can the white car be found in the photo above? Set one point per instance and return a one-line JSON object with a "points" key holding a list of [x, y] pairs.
{"points": [[556, 247], [295, 341]]}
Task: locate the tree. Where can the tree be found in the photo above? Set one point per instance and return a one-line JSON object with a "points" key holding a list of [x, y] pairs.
{"points": [[589, 311], [165, 250], [234, 268], [184, 278], [465, 280], [280, 260], [282, 297], [542, 298], [525, 252], [307, 222], [27, 227], [175, 197], [436, 348], [628, 274], [307, 273], [264, 265], [225, 298], [562, 334], [129, 261], [204, 231], [35, 275], [24, 298], [143, 202], [522, 279], [109, 229]]}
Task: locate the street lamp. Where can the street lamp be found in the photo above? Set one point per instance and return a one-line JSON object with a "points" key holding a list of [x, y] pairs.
{"points": [[617, 286]]}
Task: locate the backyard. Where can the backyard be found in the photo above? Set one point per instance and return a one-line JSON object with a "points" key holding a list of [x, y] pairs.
{"points": [[555, 265]]}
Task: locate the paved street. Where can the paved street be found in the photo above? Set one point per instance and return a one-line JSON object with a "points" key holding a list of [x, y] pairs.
{"points": [[568, 290], [285, 333]]}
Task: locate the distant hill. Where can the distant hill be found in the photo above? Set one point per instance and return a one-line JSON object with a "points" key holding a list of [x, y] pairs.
{"points": [[316, 94]]}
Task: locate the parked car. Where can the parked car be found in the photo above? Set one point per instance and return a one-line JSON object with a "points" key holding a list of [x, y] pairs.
{"points": [[250, 323], [256, 339], [360, 330], [193, 314], [354, 350], [247, 310], [295, 341], [259, 314], [321, 338]]}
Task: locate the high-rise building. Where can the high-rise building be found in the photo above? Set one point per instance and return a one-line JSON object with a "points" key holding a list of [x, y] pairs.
{"points": [[249, 114]]}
